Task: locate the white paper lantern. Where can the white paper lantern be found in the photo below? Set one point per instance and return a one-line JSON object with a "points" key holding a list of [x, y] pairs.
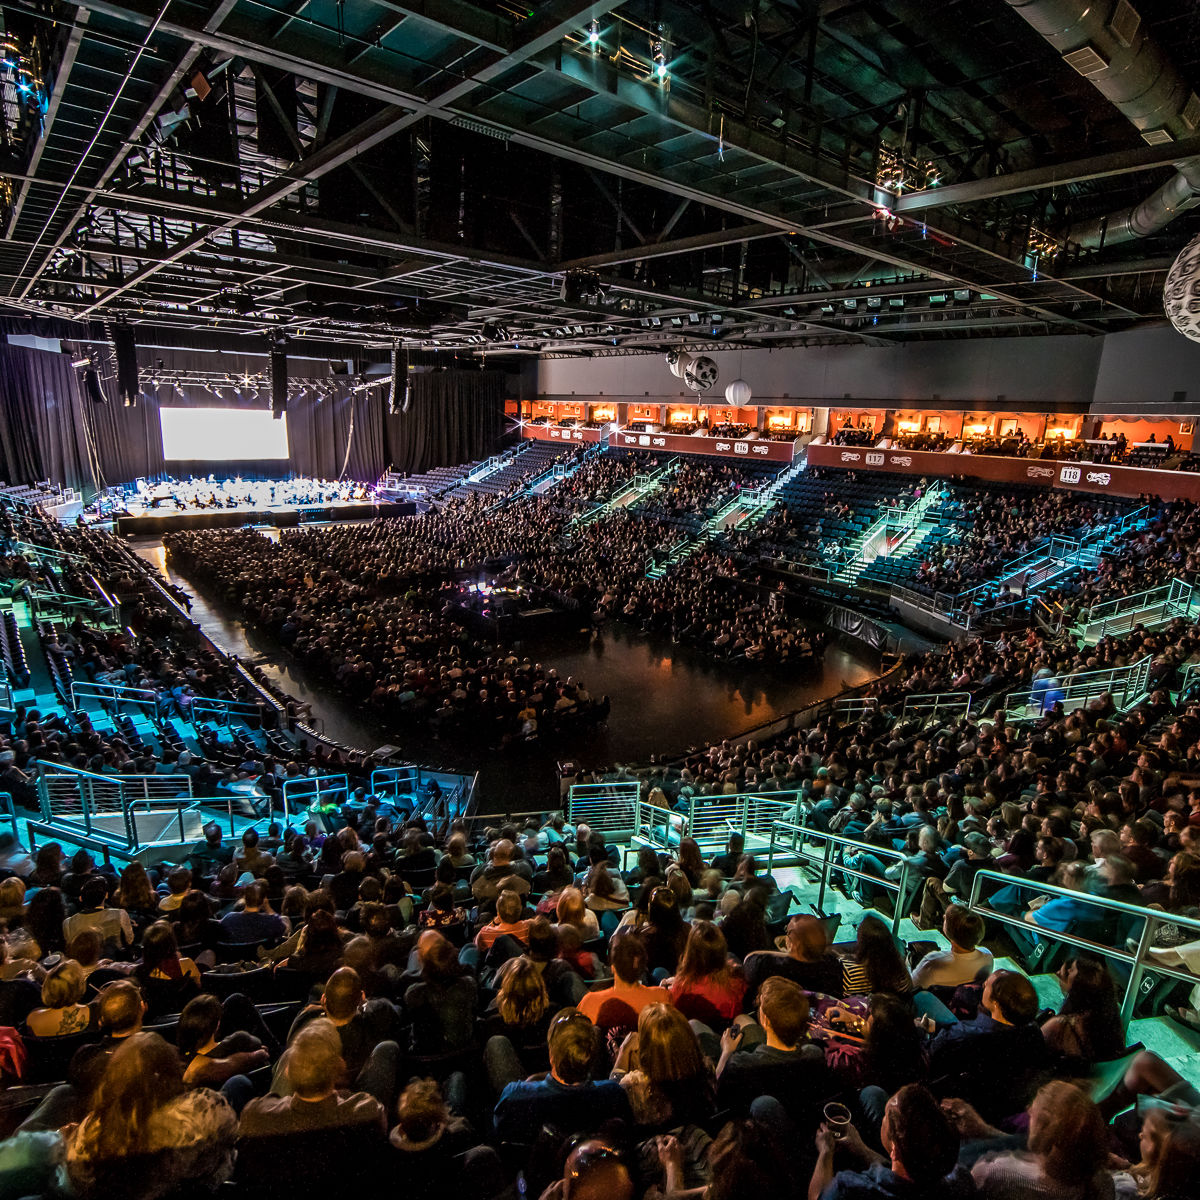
{"points": [[678, 362], [1181, 293], [700, 374], [738, 393]]}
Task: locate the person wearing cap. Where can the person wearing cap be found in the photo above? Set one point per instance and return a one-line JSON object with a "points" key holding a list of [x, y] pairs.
{"points": [[938, 894]]}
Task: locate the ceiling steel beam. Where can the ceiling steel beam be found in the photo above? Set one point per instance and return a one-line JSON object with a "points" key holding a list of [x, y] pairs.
{"points": [[684, 245], [70, 52], [1100, 166]]}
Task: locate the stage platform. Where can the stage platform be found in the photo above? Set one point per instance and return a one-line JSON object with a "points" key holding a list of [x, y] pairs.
{"points": [[158, 521]]}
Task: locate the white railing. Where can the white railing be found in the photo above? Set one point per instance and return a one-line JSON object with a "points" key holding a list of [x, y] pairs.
{"points": [[934, 704], [1123, 684], [1154, 606], [1138, 962], [314, 793], [111, 696], [604, 807]]}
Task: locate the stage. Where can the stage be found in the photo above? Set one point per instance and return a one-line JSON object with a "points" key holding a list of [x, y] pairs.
{"points": [[157, 521]]}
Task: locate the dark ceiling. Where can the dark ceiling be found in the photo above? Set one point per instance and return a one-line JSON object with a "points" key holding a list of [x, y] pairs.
{"points": [[490, 177]]}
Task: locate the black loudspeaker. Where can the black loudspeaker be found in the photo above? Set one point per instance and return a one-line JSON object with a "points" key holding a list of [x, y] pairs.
{"points": [[125, 352], [91, 386], [398, 391], [279, 379]]}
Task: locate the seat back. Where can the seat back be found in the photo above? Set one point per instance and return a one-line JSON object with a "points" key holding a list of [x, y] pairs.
{"points": [[315, 1164]]}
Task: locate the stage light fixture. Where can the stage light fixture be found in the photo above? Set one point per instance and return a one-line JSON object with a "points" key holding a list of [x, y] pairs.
{"points": [[593, 35]]}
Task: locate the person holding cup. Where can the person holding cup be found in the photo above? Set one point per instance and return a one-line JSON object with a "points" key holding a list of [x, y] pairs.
{"points": [[920, 1158]]}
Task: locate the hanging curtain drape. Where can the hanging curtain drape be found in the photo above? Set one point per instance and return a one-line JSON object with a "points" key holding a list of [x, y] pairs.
{"points": [[453, 417], [41, 436], [318, 432]]}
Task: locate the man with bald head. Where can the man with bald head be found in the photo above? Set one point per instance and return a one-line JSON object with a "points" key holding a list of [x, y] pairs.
{"points": [[503, 873], [593, 1171]]}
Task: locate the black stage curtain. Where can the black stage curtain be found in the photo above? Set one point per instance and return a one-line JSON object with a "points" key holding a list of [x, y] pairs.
{"points": [[319, 430], [453, 417], [41, 435]]}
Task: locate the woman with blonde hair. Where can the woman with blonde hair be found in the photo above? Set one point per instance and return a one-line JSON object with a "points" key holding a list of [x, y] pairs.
{"points": [[570, 909], [61, 1013], [147, 1134], [1067, 1155]]}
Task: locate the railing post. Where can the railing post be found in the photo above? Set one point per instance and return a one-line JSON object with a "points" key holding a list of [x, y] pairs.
{"points": [[824, 876], [1137, 970], [901, 897]]}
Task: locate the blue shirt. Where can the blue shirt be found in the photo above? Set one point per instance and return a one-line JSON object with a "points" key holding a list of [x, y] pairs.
{"points": [[526, 1105], [880, 1182]]}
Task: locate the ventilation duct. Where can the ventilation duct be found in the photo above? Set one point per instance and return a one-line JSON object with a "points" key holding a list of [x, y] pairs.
{"points": [[1107, 45]]}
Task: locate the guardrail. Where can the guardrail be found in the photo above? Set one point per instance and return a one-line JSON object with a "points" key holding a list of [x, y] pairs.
{"points": [[604, 807], [93, 610], [111, 696], [1138, 961], [955, 704], [1124, 684], [8, 706], [796, 836], [1153, 606], [325, 791], [711, 819], [253, 714]]}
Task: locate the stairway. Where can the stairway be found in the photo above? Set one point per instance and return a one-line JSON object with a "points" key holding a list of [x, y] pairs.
{"points": [[629, 493], [907, 530]]}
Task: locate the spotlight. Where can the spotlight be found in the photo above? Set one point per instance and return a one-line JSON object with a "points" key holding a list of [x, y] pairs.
{"points": [[593, 35]]}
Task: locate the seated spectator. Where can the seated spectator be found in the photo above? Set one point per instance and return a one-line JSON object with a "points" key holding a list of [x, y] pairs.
{"points": [[593, 1171], [567, 1098], [939, 893], [170, 979], [622, 1003], [772, 1057], [438, 1148], [521, 1010], [708, 985], [507, 923], [146, 1134], [179, 880], [665, 932], [442, 1001], [319, 949], [61, 1012], [488, 878], [875, 964], [964, 962], [727, 863], [313, 1066], [112, 924], [1088, 1026], [1067, 1151], [250, 858], [921, 1149], [256, 922], [570, 909], [209, 1062], [807, 960], [664, 1074], [997, 1054]]}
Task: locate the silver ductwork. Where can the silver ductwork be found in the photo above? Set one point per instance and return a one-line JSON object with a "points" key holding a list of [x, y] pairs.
{"points": [[1105, 43]]}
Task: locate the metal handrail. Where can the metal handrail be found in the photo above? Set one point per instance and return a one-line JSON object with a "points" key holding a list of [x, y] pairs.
{"points": [[827, 866], [112, 693], [1085, 685], [1137, 960]]}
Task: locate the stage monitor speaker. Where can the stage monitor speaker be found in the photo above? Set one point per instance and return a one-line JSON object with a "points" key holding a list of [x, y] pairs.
{"points": [[125, 352], [279, 380]]}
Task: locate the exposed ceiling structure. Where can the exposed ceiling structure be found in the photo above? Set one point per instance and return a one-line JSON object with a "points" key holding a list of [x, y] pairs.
{"points": [[577, 177]]}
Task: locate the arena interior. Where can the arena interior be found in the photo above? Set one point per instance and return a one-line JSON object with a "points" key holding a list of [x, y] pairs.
{"points": [[600, 601]]}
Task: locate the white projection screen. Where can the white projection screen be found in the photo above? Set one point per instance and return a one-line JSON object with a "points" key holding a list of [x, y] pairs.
{"points": [[222, 435]]}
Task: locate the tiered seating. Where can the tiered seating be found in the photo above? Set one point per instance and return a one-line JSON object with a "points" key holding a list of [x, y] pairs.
{"points": [[57, 660], [13, 650], [527, 464], [809, 522]]}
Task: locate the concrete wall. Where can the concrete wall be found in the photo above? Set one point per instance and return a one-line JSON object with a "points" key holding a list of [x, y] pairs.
{"points": [[1048, 371], [1135, 372]]}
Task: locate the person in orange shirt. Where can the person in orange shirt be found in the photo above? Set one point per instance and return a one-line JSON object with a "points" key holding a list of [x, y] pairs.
{"points": [[508, 920], [627, 957]]}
